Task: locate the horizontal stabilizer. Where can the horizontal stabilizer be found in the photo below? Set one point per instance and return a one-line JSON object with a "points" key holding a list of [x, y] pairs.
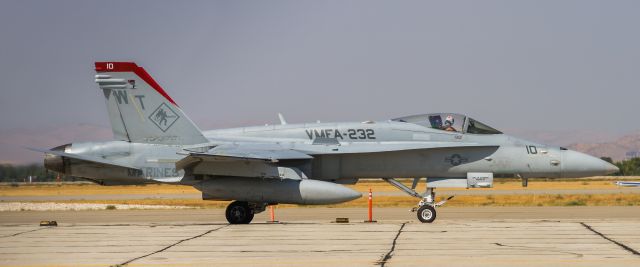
{"points": [[83, 158]]}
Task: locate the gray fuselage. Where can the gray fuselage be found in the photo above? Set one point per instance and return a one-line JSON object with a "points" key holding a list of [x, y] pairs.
{"points": [[344, 152]]}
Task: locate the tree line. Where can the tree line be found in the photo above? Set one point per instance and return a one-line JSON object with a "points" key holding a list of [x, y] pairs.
{"points": [[21, 173], [629, 167]]}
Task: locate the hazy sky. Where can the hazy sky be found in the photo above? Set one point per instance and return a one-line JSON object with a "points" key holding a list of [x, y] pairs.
{"points": [[552, 65]]}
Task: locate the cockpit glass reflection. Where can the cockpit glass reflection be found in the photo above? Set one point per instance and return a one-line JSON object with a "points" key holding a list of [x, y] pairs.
{"points": [[450, 122]]}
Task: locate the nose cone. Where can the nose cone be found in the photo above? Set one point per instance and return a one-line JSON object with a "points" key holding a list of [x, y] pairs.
{"points": [[576, 164], [611, 169]]}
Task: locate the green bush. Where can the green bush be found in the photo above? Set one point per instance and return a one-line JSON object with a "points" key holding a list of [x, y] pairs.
{"points": [[630, 167]]}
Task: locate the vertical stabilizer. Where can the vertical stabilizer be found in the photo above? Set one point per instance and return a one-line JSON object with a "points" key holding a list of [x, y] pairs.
{"points": [[140, 110]]}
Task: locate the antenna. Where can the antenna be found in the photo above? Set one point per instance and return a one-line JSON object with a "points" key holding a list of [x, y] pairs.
{"points": [[282, 120]]}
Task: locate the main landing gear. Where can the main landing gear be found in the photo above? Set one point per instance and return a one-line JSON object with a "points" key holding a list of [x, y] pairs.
{"points": [[426, 209], [241, 212]]}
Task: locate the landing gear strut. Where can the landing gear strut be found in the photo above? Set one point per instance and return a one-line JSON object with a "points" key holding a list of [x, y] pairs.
{"points": [[242, 212], [426, 208]]}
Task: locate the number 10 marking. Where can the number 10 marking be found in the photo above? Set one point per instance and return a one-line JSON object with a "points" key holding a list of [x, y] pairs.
{"points": [[532, 150]]}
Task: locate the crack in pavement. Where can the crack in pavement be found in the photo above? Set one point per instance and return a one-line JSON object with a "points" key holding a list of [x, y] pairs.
{"points": [[170, 246], [625, 247], [578, 255], [389, 254], [24, 232]]}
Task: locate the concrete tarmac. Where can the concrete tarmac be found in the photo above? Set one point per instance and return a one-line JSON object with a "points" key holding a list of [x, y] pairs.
{"points": [[483, 236]]}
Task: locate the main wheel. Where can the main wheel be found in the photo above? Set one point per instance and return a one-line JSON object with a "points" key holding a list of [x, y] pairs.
{"points": [[238, 212], [426, 214]]}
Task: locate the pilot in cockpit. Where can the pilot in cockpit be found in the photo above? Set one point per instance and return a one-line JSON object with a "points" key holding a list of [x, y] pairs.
{"points": [[448, 124]]}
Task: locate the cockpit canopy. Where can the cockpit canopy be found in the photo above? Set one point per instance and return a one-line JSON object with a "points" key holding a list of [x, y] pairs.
{"points": [[450, 122]]}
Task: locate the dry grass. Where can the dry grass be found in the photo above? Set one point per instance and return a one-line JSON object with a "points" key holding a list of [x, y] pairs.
{"points": [[196, 203], [549, 200], [509, 184], [630, 199], [94, 189], [363, 186]]}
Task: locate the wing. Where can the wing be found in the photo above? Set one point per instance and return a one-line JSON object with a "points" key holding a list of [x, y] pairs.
{"points": [[278, 161], [245, 161], [250, 152]]}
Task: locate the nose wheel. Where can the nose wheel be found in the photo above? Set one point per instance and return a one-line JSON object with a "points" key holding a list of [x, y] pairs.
{"points": [[426, 214], [426, 209]]}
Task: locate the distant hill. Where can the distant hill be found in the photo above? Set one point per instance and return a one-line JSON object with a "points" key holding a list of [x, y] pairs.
{"points": [[599, 144], [563, 138], [616, 149]]}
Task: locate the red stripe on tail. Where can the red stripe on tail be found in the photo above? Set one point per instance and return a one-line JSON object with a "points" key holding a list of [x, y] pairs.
{"points": [[131, 66]]}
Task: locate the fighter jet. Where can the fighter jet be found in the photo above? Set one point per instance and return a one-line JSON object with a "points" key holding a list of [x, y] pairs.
{"points": [[308, 163]]}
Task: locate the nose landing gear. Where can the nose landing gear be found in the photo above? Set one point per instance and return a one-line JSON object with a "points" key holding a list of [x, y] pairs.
{"points": [[426, 214], [426, 208]]}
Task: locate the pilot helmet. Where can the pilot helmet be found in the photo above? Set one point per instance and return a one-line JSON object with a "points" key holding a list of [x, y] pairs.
{"points": [[449, 121]]}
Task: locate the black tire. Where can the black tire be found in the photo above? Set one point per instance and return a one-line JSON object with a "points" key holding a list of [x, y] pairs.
{"points": [[238, 212], [426, 214]]}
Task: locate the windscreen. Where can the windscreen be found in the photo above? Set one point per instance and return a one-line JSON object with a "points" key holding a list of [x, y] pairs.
{"points": [[442, 121], [476, 127]]}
